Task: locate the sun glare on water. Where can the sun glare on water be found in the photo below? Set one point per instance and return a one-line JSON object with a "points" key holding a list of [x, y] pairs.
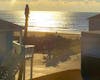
{"points": [[41, 21]]}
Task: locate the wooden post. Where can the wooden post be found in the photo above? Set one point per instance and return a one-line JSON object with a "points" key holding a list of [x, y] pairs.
{"points": [[31, 65], [25, 34], [26, 23], [22, 68]]}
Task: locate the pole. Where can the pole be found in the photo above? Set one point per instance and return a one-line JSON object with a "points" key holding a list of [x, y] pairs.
{"points": [[26, 23], [25, 34], [22, 68], [31, 68]]}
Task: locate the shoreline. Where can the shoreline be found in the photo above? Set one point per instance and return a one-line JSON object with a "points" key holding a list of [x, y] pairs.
{"points": [[55, 32], [42, 34]]}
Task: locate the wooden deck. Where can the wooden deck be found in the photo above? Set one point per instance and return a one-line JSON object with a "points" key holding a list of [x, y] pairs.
{"points": [[64, 75], [41, 71]]}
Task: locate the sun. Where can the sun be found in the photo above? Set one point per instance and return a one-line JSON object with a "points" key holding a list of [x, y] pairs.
{"points": [[13, 1], [41, 19]]}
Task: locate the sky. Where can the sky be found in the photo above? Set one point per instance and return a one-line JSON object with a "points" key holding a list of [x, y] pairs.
{"points": [[52, 5]]}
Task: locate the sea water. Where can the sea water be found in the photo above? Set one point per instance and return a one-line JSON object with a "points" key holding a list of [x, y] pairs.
{"points": [[50, 21]]}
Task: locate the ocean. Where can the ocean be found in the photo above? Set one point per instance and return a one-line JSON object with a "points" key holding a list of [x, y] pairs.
{"points": [[50, 21]]}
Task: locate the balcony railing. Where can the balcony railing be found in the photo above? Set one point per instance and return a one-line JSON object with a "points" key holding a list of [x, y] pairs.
{"points": [[14, 59]]}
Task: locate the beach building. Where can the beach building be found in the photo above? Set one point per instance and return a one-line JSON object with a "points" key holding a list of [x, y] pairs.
{"points": [[6, 35], [8, 53], [13, 52], [94, 23], [90, 50]]}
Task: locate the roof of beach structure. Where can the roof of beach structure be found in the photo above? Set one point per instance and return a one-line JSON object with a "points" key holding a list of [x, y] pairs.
{"points": [[95, 17], [9, 26]]}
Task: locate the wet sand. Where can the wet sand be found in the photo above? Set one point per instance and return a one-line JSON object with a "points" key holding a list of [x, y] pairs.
{"points": [[42, 34], [65, 35]]}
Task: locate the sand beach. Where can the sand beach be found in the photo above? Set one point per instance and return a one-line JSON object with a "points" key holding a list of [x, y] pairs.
{"points": [[56, 56]]}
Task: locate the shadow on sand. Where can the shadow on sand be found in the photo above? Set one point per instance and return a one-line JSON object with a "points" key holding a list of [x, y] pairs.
{"points": [[53, 60], [59, 49]]}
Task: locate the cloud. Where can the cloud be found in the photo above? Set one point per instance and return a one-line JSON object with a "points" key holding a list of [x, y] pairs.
{"points": [[49, 5]]}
